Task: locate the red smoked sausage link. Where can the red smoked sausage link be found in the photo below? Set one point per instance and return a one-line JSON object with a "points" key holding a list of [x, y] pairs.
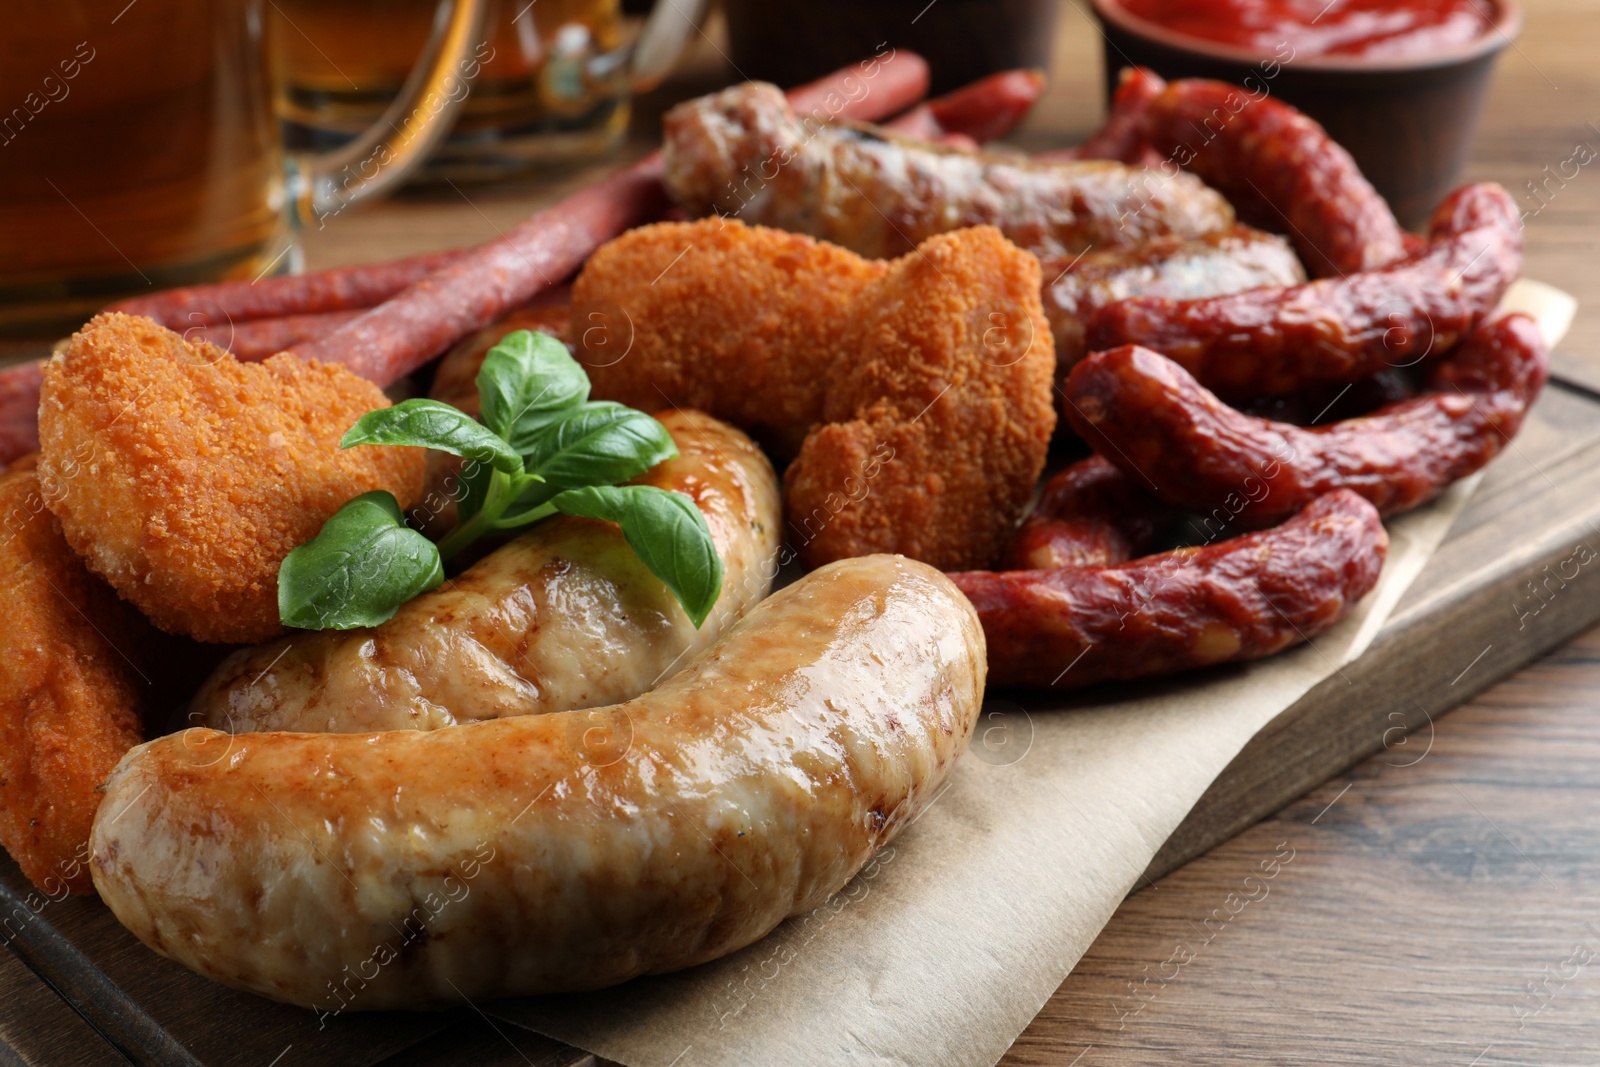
{"points": [[1122, 136], [1239, 600], [1280, 170], [339, 289], [1274, 341], [1090, 515], [990, 107], [1151, 418]]}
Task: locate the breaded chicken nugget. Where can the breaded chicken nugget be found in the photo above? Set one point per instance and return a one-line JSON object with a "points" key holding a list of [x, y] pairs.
{"points": [[738, 320], [74, 667], [938, 412], [921, 389], [183, 477]]}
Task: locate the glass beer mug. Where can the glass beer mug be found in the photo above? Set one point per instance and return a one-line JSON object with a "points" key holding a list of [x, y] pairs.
{"points": [[139, 148], [554, 89]]}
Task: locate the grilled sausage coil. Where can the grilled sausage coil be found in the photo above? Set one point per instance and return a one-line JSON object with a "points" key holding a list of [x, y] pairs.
{"points": [[743, 152], [565, 616], [545, 853]]}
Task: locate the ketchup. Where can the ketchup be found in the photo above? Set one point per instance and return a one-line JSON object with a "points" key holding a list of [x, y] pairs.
{"points": [[1382, 28]]}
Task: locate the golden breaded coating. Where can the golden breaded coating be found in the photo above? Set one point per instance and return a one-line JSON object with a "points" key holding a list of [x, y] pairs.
{"points": [[70, 690], [183, 477], [921, 389], [738, 320], [938, 412]]}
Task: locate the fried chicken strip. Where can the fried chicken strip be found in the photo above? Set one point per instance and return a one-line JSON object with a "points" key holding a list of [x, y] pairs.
{"points": [[919, 391], [938, 414], [74, 676], [741, 321]]}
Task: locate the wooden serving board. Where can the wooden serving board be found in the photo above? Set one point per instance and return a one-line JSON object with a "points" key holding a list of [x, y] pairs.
{"points": [[80, 989]]}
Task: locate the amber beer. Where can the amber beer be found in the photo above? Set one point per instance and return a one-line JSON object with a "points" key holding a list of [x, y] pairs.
{"points": [[137, 149], [551, 86]]}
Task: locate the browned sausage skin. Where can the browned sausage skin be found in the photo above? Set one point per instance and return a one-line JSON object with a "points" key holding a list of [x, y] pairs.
{"points": [[1150, 417], [560, 852], [1239, 600], [1279, 169], [743, 152], [1336, 330], [1090, 515]]}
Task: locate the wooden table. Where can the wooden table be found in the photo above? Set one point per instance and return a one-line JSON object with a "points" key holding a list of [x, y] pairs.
{"points": [[1430, 907]]}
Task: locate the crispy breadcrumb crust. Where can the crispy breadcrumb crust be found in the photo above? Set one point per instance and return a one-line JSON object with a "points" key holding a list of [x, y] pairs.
{"points": [[920, 390], [938, 413], [69, 690], [738, 320], [183, 477]]}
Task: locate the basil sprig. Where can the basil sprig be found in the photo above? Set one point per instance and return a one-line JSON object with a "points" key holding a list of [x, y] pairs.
{"points": [[362, 566], [543, 448]]}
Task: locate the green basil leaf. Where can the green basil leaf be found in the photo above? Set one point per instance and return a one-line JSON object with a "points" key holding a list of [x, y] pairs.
{"points": [[433, 424], [525, 381], [599, 443], [667, 533], [474, 482], [532, 496], [358, 570]]}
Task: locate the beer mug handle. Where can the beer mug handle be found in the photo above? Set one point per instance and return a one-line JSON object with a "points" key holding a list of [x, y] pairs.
{"points": [[324, 183], [662, 40]]}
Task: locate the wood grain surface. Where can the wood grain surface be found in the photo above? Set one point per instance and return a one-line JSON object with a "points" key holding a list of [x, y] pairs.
{"points": [[39, 1029], [1434, 907], [1431, 907]]}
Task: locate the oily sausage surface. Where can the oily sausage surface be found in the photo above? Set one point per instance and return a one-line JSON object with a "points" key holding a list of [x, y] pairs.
{"points": [[547, 853]]}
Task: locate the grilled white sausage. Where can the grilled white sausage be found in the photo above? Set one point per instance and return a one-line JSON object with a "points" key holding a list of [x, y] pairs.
{"points": [[556, 852], [563, 617], [744, 152]]}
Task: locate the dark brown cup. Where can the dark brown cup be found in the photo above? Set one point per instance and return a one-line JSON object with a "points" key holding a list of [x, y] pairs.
{"points": [[1409, 122], [791, 42]]}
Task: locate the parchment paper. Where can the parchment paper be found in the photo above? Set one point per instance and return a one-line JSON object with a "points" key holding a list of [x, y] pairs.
{"points": [[946, 946]]}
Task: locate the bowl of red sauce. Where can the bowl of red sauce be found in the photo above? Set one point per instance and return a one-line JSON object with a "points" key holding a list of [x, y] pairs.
{"points": [[1398, 83]]}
